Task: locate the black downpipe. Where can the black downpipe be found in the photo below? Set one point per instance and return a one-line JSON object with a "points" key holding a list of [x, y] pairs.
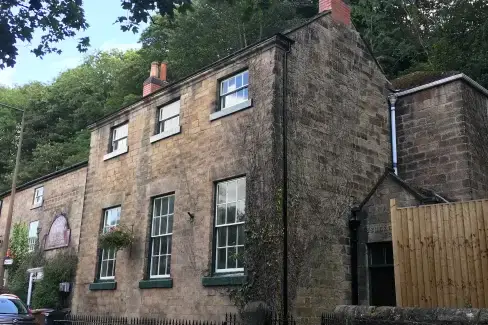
{"points": [[354, 224], [285, 186]]}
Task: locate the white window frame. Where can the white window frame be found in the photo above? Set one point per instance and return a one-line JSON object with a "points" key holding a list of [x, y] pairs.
{"points": [[224, 94], [117, 139], [239, 200], [105, 228], [38, 196], [33, 238], [166, 233]]}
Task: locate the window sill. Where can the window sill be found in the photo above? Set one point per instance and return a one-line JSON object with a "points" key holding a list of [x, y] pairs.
{"points": [[156, 283], [165, 134], [224, 280], [113, 154], [103, 285], [231, 110], [35, 206]]}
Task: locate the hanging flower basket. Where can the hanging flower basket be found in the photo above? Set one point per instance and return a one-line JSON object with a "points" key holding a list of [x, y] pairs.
{"points": [[117, 238]]}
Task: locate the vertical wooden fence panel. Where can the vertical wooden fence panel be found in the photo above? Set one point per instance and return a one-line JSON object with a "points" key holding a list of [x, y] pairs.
{"points": [[440, 254]]}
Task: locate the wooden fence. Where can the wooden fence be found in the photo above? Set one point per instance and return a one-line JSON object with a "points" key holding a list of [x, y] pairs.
{"points": [[440, 254]]}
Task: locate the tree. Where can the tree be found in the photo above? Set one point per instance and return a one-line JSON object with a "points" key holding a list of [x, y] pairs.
{"points": [[57, 19]]}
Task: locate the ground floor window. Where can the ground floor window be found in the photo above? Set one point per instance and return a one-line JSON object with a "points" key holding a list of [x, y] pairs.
{"points": [[111, 218], [161, 235], [381, 274]]}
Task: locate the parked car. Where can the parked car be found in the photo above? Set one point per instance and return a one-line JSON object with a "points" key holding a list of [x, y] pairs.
{"points": [[14, 311]]}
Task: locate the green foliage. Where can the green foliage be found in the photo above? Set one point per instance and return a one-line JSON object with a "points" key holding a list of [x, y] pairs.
{"points": [[57, 269], [117, 237], [19, 244], [55, 19]]}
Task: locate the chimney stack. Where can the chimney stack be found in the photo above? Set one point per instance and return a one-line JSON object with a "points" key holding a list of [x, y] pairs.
{"points": [[156, 80], [340, 10]]}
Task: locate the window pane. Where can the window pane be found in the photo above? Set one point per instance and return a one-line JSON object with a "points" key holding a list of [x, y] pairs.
{"points": [[241, 189], [231, 191], [110, 268], [156, 245], [241, 96], [221, 214], [225, 87], [239, 81], [240, 235], [157, 207], [241, 211], [155, 230], [162, 265], [164, 224], [103, 269], [231, 258], [171, 124], [170, 240], [221, 254], [245, 77], [231, 213], [240, 257], [121, 132], [154, 265], [164, 245], [221, 237], [168, 264], [232, 84], [221, 193], [389, 254], [171, 204], [170, 110], [165, 205], [232, 238], [111, 253], [170, 224]]}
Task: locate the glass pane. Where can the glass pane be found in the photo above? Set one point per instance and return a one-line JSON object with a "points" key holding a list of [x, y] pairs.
{"points": [[168, 264], [164, 245], [245, 94], [165, 205], [232, 84], [155, 230], [121, 131], [164, 224], [231, 258], [221, 258], [154, 265], [231, 191], [245, 78], [232, 237], [241, 189], [225, 87], [240, 235], [389, 254], [221, 236], [170, 241], [162, 265], [157, 207], [240, 257], [221, 192], [241, 96], [111, 254], [171, 124], [156, 245], [241, 211], [171, 204], [103, 269], [221, 214], [239, 81], [170, 110], [170, 223], [231, 213], [110, 268], [377, 256]]}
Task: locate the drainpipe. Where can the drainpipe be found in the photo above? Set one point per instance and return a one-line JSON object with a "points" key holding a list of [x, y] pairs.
{"points": [[354, 223], [394, 155]]}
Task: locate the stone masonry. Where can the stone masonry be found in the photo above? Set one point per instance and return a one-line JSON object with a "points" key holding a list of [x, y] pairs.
{"points": [[63, 194]]}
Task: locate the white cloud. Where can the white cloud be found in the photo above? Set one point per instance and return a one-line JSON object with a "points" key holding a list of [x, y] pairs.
{"points": [[111, 45], [7, 77], [67, 63]]}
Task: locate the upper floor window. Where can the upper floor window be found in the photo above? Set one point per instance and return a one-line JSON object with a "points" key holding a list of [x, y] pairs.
{"points": [[161, 236], [38, 196], [169, 117], [111, 218], [119, 137], [229, 224], [33, 226], [234, 90]]}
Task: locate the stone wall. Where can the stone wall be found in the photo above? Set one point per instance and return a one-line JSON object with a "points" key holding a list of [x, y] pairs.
{"points": [[338, 148], [363, 315], [63, 194], [187, 164], [433, 150]]}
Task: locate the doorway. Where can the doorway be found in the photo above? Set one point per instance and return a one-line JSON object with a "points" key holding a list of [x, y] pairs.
{"points": [[381, 274]]}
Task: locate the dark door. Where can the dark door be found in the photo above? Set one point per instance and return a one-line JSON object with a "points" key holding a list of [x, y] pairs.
{"points": [[381, 275]]}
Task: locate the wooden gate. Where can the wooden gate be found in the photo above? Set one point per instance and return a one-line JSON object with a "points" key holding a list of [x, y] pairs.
{"points": [[440, 254]]}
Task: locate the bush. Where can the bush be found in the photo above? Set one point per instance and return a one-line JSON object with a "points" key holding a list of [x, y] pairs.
{"points": [[60, 268]]}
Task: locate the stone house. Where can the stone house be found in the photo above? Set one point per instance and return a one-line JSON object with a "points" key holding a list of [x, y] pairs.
{"points": [[441, 132], [51, 207], [196, 170]]}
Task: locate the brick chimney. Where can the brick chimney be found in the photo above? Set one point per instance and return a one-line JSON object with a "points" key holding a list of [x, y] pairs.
{"points": [[340, 10], [156, 80]]}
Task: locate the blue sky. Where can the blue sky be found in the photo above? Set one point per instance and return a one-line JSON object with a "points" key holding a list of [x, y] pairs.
{"points": [[104, 35]]}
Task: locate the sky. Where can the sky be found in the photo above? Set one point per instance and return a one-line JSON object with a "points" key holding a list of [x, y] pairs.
{"points": [[103, 33]]}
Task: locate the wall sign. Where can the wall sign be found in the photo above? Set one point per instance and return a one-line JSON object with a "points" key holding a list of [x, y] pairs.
{"points": [[59, 234]]}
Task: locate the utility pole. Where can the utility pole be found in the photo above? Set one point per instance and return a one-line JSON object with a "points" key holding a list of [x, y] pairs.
{"points": [[8, 224]]}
